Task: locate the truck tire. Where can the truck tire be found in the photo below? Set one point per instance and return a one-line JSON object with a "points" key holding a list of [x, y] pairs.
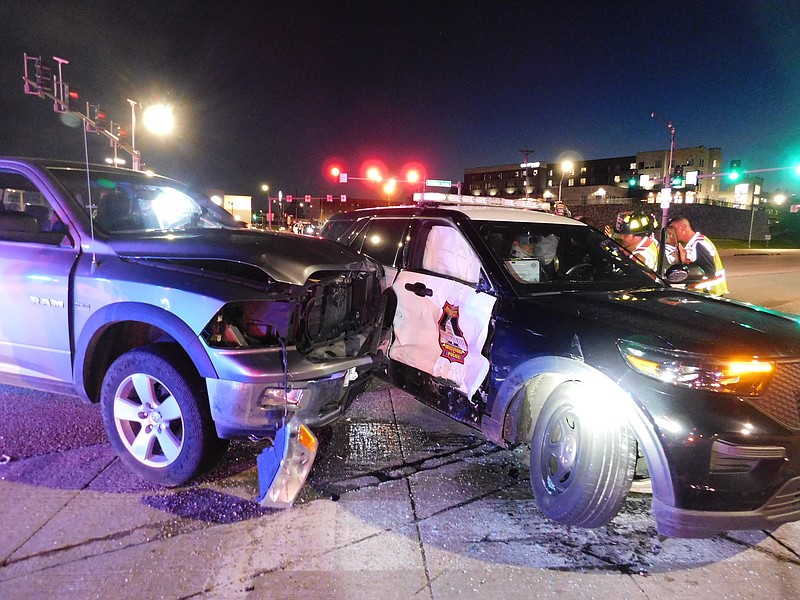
{"points": [[582, 458], [157, 418]]}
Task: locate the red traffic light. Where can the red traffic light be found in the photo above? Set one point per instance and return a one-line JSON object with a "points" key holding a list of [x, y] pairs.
{"points": [[72, 101]]}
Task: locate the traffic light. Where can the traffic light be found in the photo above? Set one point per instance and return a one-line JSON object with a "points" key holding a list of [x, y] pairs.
{"points": [[73, 101], [338, 175], [633, 181], [42, 82], [735, 171], [120, 132], [98, 118], [677, 177]]}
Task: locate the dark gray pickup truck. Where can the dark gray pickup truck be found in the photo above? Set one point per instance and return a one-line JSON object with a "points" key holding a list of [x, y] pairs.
{"points": [[131, 290]]}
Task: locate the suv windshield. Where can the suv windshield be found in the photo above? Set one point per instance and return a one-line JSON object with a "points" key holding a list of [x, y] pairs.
{"points": [[548, 257], [128, 202]]}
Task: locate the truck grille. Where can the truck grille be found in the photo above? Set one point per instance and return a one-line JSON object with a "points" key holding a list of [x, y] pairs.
{"points": [[338, 306], [781, 401]]}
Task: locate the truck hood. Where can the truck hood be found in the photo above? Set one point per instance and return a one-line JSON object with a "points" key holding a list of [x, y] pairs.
{"points": [[286, 258], [676, 319]]}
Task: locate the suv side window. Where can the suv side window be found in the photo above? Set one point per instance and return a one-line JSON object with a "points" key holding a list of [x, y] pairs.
{"points": [[441, 249], [25, 213], [383, 239]]}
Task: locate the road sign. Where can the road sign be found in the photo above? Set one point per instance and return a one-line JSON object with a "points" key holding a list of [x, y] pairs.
{"points": [[438, 183]]}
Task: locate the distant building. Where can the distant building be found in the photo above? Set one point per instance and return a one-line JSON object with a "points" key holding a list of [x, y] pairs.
{"points": [[588, 181], [702, 171], [621, 179]]}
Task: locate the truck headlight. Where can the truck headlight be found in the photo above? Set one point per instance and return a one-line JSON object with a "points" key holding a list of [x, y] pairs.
{"points": [[250, 325], [742, 376]]}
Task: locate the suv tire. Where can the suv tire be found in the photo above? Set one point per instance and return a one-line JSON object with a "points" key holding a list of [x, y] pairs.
{"points": [[582, 461]]}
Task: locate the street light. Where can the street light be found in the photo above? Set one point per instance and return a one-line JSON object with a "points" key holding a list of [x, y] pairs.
{"points": [[157, 118], [389, 187], [565, 166], [265, 189]]}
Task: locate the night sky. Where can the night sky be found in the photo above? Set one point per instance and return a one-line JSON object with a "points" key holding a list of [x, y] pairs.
{"points": [[271, 91]]}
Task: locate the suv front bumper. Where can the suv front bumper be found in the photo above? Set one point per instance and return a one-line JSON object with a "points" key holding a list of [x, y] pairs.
{"points": [[782, 507]]}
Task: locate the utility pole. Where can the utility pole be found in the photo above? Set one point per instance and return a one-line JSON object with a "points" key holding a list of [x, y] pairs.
{"points": [[525, 164]]}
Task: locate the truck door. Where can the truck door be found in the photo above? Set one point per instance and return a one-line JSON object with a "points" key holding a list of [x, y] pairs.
{"points": [[36, 260], [442, 321]]}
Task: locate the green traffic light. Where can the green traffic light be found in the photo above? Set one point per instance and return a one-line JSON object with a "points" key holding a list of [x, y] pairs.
{"points": [[632, 182], [735, 172]]}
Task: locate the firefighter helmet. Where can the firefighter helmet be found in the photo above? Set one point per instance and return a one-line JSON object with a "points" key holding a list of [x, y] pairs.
{"points": [[635, 223]]}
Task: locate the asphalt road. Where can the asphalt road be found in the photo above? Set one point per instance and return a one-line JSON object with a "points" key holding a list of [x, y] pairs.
{"points": [[401, 503], [767, 277]]}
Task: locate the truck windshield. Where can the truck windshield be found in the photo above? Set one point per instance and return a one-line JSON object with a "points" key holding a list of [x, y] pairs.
{"points": [[130, 202], [541, 257]]}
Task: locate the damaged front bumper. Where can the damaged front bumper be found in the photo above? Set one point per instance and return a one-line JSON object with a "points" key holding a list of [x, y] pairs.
{"points": [[284, 467], [317, 396]]}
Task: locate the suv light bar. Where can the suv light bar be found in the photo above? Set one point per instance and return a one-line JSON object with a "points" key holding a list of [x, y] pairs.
{"points": [[441, 198]]}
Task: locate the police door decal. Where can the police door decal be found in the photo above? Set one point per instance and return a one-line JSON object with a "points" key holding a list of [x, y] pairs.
{"points": [[451, 339], [440, 327]]}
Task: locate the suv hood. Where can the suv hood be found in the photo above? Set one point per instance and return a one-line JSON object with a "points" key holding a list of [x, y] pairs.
{"points": [[674, 319], [286, 258]]}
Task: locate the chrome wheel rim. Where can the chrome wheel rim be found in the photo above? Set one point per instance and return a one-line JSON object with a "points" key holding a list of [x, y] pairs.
{"points": [[149, 420]]}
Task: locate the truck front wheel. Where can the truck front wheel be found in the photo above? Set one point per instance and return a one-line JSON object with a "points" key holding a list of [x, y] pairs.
{"points": [[156, 416], [582, 458]]}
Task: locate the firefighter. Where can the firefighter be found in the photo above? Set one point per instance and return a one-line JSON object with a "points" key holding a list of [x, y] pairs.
{"points": [[635, 231], [694, 248], [561, 209]]}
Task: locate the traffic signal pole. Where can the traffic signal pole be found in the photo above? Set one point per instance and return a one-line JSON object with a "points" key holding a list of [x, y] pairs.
{"points": [[57, 90]]}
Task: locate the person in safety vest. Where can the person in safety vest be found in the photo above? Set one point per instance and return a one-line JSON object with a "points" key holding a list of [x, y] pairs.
{"points": [[694, 248], [635, 229]]}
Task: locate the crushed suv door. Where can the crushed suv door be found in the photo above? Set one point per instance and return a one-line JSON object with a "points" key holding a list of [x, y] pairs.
{"points": [[36, 260], [441, 321]]}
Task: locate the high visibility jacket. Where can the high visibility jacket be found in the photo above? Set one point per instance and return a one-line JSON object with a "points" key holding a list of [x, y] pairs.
{"points": [[715, 284], [647, 252]]}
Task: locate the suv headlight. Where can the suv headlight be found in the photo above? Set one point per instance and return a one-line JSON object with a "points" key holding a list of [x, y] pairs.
{"points": [[741, 376]]}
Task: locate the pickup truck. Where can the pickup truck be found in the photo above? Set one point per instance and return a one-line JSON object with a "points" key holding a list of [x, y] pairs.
{"points": [[131, 290]]}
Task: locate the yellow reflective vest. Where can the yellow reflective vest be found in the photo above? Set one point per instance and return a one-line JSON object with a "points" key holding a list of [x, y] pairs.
{"points": [[713, 285], [647, 252]]}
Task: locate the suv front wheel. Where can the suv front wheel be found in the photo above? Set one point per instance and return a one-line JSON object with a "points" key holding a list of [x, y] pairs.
{"points": [[582, 458], [156, 416]]}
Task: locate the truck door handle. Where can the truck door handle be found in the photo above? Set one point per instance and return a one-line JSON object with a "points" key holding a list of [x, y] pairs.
{"points": [[419, 289]]}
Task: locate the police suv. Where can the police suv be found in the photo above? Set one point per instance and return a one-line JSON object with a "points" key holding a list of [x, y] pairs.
{"points": [[538, 329]]}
